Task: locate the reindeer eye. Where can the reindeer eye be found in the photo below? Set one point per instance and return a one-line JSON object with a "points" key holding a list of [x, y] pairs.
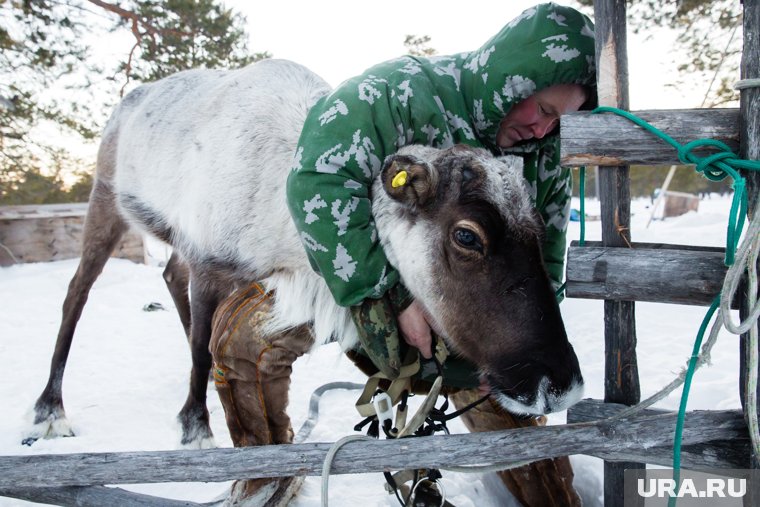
{"points": [[468, 239], [467, 174]]}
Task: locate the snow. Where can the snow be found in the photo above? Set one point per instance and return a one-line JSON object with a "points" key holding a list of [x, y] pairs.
{"points": [[128, 370]]}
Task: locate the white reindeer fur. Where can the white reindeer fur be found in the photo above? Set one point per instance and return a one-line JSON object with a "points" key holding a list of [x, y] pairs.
{"points": [[210, 151]]}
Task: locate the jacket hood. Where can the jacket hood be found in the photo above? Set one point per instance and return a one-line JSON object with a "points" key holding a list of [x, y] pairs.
{"points": [[546, 45]]}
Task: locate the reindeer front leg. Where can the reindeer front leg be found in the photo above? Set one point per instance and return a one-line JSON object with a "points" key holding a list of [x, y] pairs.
{"points": [[252, 376]]}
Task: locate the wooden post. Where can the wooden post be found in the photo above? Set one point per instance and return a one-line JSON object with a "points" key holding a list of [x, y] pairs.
{"points": [[750, 97], [621, 384], [749, 149]]}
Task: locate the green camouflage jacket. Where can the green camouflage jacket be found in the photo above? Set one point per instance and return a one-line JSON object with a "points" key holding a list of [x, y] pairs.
{"points": [[437, 101]]}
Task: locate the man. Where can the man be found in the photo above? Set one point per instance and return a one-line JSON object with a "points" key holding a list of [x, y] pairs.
{"points": [[507, 97]]}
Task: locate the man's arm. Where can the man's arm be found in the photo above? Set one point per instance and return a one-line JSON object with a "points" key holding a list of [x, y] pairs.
{"points": [[343, 143]]}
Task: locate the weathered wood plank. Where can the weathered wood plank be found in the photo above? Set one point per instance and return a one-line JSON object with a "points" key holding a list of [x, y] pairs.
{"points": [[714, 454], [23, 211], [749, 104], [635, 434], [607, 139], [646, 272], [94, 496], [52, 232]]}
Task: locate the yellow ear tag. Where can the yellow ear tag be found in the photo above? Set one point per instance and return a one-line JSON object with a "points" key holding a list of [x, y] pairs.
{"points": [[399, 180]]}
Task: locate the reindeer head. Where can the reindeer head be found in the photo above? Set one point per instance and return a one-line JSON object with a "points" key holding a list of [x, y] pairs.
{"points": [[459, 226]]}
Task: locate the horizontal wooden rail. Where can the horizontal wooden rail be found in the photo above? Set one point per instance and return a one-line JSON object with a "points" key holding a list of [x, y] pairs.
{"points": [[634, 435], [96, 496], [734, 453], [607, 139], [656, 273]]}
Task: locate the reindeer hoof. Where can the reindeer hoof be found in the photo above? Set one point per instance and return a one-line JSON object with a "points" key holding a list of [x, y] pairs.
{"points": [[266, 492], [199, 443], [196, 431], [28, 441], [53, 426]]}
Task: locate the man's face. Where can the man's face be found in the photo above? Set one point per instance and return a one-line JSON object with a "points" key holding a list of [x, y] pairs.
{"points": [[537, 115]]}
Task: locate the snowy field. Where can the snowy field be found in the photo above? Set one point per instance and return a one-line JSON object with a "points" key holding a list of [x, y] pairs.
{"points": [[128, 369]]}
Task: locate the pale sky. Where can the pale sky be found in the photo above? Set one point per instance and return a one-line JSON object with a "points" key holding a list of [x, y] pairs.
{"points": [[338, 39]]}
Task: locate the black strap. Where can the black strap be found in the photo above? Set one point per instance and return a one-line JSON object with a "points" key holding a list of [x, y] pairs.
{"points": [[364, 422], [438, 415]]}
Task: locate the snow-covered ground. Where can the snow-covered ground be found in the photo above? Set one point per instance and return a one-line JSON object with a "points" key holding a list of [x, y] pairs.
{"points": [[128, 370]]}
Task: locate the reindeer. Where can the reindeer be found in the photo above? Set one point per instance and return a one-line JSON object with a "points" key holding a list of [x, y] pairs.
{"points": [[200, 160]]}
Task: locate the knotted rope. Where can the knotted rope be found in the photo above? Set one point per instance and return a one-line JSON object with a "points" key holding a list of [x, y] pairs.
{"points": [[714, 167]]}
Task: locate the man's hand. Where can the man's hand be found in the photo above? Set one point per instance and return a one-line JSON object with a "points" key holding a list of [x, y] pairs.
{"points": [[415, 329]]}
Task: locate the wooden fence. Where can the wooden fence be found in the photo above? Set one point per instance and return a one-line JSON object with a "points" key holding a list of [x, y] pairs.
{"points": [[710, 439], [52, 232], [649, 435], [604, 270]]}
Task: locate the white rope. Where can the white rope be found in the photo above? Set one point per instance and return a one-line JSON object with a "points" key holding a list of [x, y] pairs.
{"points": [[311, 420], [329, 459], [313, 417], [745, 260]]}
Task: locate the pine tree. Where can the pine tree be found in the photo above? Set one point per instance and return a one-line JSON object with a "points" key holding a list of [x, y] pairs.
{"points": [[418, 45], [43, 49]]}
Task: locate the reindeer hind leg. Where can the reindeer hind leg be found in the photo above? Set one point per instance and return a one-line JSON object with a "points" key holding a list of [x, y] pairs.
{"points": [[103, 229], [206, 293]]}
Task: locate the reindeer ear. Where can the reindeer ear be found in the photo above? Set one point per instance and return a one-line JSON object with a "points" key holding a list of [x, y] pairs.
{"points": [[409, 180]]}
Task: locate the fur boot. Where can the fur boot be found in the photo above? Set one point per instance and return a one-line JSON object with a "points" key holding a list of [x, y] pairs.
{"points": [[252, 376]]}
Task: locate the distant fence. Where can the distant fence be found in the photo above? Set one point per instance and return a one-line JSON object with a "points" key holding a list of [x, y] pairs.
{"points": [[51, 232]]}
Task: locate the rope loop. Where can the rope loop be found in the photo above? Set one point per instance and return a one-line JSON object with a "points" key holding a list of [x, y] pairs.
{"points": [[711, 166]]}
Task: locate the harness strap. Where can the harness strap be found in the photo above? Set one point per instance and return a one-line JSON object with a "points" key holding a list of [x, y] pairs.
{"points": [[401, 387], [424, 410], [443, 417], [401, 383], [375, 405]]}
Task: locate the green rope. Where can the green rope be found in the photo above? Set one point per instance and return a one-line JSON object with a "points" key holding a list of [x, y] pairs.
{"points": [[685, 395], [714, 167], [560, 293], [582, 193]]}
